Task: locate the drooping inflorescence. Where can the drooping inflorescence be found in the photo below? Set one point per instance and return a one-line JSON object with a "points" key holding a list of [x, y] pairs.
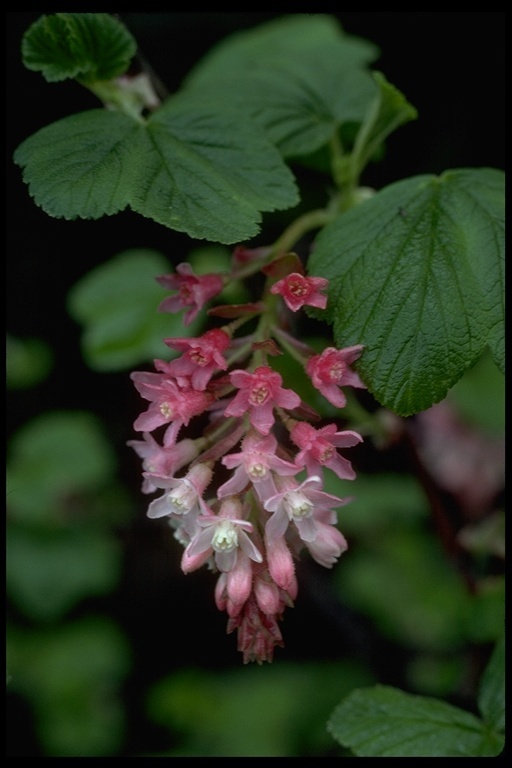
{"points": [[238, 466]]}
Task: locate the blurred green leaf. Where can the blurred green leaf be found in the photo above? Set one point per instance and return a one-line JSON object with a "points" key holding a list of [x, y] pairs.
{"points": [[281, 38], [272, 711], [435, 674], [491, 698], [71, 676], [386, 722], [84, 46], [403, 583], [49, 572], [28, 362], [51, 459], [483, 380], [486, 618], [379, 503], [117, 305], [486, 537]]}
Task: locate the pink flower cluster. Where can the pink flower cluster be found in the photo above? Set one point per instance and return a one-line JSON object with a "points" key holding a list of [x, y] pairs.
{"points": [[239, 466]]}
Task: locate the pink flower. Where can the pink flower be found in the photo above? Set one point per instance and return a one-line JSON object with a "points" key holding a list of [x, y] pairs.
{"points": [[258, 633], [259, 393], [164, 461], [183, 497], [254, 464], [330, 370], [201, 358], [234, 586], [256, 622], [300, 505], [318, 448], [169, 403], [298, 290], [280, 561], [193, 291], [221, 535], [328, 544]]}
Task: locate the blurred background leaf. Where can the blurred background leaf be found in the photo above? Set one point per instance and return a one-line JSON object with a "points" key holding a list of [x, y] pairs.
{"points": [[28, 362], [52, 459], [117, 305], [268, 711], [72, 674]]}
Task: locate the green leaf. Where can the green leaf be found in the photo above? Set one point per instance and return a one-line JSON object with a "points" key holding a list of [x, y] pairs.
{"points": [[28, 362], [416, 276], [54, 457], [211, 173], [386, 722], [37, 561], [84, 166], [84, 46], [282, 39], [71, 677], [117, 305], [289, 705], [466, 396], [198, 171], [299, 78], [430, 605], [491, 698], [380, 502], [389, 110]]}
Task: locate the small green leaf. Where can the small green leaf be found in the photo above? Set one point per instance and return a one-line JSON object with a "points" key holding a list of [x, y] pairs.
{"points": [[491, 698], [204, 172], [117, 305], [386, 722], [84, 46], [416, 276], [389, 110]]}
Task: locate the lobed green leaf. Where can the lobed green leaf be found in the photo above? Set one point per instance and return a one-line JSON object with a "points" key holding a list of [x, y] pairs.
{"points": [[417, 276], [283, 39], [84, 46], [202, 172], [299, 78], [385, 722]]}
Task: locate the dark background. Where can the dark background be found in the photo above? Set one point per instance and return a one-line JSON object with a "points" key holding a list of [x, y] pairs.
{"points": [[451, 68]]}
